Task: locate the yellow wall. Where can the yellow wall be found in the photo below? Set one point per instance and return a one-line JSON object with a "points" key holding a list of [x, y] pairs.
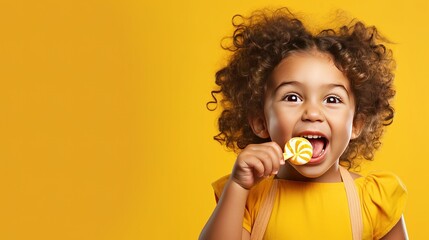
{"points": [[104, 131]]}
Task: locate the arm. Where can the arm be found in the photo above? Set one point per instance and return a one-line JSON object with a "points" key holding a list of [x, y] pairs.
{"points": [[398, 232], [253, 164]]}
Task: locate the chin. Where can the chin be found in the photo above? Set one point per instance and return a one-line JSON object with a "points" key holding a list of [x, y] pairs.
{"points": [[314, 171], [309, 171]]}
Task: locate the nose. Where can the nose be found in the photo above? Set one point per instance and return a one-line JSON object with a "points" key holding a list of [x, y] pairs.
{"points": [[312, 112]]}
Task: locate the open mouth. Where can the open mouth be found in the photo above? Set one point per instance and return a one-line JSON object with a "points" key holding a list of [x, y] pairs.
{"points": [[318, 143]]}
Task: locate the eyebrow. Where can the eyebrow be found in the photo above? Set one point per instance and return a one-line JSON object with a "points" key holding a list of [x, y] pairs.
{"points": [[286, 84], [329, 86]]}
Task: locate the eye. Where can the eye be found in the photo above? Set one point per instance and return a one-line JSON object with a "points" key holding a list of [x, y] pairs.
{"points": [[292, 97], [333, 99]]}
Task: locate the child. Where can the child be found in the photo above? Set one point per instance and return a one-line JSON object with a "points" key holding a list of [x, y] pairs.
{"points": [[333, 88]]}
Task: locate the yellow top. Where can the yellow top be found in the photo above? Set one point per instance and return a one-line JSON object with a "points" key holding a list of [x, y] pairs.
{"points": [[312, 210]]}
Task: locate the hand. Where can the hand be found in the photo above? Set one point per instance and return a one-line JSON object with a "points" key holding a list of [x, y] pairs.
{"points": [[255, 162]]}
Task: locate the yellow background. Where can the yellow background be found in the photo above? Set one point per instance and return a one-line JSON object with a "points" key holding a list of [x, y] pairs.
{"points": [[104, 131]]}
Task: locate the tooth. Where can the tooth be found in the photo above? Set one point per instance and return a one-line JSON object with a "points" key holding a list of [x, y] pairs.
{"points": [[311, 136]]}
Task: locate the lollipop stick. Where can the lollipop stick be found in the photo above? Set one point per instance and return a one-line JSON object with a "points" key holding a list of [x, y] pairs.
{"points": [[287, 155]]}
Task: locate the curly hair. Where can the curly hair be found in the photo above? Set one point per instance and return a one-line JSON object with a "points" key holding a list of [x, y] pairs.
{"points": [[262, 40]]}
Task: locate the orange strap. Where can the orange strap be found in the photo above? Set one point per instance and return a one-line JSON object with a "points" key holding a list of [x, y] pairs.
{"points": [[354, 204], [264, 214]]}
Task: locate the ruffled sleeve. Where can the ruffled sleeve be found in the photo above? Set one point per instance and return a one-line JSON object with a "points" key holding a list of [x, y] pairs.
{"points": [[218, 186], [218, 189], [384, 197]]}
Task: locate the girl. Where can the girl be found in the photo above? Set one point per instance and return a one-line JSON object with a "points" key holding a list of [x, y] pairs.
{"points": [[333, 88]]}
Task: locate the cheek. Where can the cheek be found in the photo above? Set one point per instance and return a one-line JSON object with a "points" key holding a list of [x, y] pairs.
{"points": [[279, 125], [348, 125]]}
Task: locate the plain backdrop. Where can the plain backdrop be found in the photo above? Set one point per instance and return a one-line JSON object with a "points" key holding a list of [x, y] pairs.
{"points": [[104, 130]]}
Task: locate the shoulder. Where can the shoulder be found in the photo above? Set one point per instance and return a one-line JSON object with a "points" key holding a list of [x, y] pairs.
{"points": [[383, 196]]}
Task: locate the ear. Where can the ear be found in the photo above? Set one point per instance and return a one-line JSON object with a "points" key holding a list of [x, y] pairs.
{"points": [[259, 126], [358, 124]]}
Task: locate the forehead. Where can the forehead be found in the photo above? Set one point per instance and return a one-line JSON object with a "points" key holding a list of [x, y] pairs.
{"points": [[312, 67]]}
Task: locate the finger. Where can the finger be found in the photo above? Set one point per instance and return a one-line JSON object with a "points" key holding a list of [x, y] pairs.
{"points": [[256, 152], [270, 154], [266, 159], [279, 152], [256, 165], [276, 157]]}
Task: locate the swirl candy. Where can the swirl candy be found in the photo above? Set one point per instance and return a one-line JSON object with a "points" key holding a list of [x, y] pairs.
{"points": [[298, 150]]}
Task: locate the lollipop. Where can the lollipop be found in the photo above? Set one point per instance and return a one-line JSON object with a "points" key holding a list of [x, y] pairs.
{"points": [[298, 150]]}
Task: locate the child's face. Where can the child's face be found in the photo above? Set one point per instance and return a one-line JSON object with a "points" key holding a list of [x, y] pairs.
{"points": [[308, 96]]}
